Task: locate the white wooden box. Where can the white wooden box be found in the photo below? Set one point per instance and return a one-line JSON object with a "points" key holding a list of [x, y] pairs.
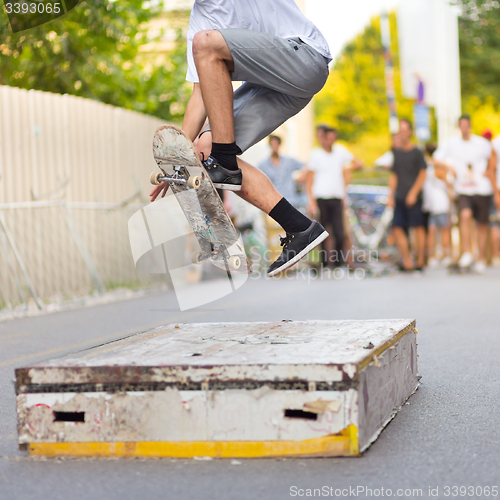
{"points": [[290, 388]]}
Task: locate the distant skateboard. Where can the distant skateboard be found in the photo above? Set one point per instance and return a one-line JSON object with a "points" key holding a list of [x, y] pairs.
{"points": [[454, 268], [219, 240]]}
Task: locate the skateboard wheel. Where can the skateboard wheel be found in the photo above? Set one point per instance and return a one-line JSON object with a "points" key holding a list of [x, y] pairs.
{"points": [[234, 262], [196, 257], [194, 182], [153, 178]]}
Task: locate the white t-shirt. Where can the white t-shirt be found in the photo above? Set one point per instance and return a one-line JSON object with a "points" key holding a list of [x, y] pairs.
{"points": [[496, 146], [276, 17], [470, 161], [328, 175], [386, 160], [435, 193]]}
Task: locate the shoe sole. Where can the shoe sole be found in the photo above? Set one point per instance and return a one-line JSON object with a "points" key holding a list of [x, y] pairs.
{"points": [[228, 187], [322, 237]]}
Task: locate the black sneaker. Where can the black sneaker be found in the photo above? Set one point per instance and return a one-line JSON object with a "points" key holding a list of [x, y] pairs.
{"points": [[297, 245], [222, 177]]}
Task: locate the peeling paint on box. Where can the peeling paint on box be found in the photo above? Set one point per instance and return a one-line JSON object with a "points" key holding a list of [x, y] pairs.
{"points": [[175, 415], [251, 382]]}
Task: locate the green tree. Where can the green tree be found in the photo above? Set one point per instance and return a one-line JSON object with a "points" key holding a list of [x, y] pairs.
{"points": [[479, 34], [479, 31], [95, 52], [354, 97]]}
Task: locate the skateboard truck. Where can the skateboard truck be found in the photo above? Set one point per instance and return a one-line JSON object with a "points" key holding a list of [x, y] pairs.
{"points": [[233, 261], [193, 182]]}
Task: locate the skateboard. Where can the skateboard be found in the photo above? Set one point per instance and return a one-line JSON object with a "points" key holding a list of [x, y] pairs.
{"points": [[456, 269], [220, 242]]}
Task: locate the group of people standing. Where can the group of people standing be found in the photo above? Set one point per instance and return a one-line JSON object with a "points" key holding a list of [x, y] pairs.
{"points": [[425, 188]]}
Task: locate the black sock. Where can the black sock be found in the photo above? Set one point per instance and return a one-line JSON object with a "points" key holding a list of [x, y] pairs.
{"points": [[225, 154], [289, 218]]}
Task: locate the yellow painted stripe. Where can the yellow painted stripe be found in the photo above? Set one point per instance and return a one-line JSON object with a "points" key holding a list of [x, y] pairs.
{"points": [[342, 444], [352, 433]]}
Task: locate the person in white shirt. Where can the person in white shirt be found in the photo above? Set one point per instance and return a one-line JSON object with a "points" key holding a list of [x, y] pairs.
{"points": [[386, 161], [282, 58], [473, 162], [438, 204], [326, 187]]}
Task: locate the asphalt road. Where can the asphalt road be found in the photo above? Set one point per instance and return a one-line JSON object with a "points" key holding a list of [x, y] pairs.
{"points": [[448, 434]]}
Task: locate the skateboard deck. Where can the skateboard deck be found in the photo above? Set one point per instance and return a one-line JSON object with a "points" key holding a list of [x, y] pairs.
{"points": [[180, 166], [456, 269]]}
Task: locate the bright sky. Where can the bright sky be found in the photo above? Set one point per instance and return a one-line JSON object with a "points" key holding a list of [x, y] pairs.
{"points": [[342, 20]]}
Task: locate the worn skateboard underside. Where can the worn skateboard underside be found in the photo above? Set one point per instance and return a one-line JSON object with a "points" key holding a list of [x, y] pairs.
{"points": [[203, 208], [456, 269]]}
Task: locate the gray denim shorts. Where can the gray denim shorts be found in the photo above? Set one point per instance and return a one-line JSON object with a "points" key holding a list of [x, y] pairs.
{"points": [[280, 75], [440, 220]]}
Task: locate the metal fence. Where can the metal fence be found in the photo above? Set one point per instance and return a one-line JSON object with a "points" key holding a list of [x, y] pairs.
{"points": [[72, 171]]}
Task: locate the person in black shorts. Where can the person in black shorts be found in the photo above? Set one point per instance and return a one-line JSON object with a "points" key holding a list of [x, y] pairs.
{"points": [[472, 161], [405, 184]]}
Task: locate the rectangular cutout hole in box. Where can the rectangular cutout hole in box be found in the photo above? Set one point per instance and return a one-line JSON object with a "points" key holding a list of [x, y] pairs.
{"points": [[307, 415], [69, 416]]}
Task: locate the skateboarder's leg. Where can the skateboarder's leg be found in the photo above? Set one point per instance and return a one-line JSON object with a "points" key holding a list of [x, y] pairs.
{"points": [[285, 66], [281, 79], [203, 145], [214, 64], [302, 234], [252, 123], [256, 188]]}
